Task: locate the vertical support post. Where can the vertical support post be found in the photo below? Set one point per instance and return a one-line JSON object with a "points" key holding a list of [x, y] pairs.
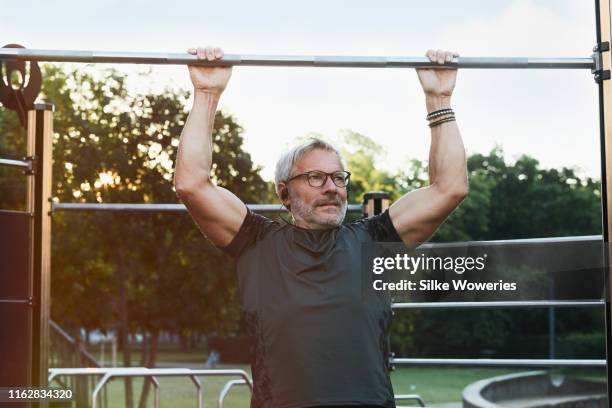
{"points": [[39, 147], [604, 32], [551, 321], [375, 202]]}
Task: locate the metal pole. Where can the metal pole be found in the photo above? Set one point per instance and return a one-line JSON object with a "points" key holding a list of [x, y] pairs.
{"points": [[375, 202], [604, 35], [40, 137], [492, 362], [226, 389], [20, 164], [500, 304], [163, 207], [156, 396], [25, 54], [199, 393], [551, 320]]}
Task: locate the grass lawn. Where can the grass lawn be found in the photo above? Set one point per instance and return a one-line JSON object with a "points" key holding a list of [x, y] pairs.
{"points": [[433, 384]]}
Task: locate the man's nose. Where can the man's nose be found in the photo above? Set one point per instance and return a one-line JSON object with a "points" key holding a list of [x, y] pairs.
{"points": [[329, 185]]}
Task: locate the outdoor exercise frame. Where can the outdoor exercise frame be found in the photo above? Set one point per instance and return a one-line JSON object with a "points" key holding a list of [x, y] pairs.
{"points": [[37, 165]]}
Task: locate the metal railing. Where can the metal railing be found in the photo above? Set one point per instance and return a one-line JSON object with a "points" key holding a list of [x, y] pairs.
{"points": [[109, 373], [599, 303], [499, 362], [152, 373]]}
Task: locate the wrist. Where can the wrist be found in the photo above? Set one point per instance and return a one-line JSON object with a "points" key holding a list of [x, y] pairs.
{"points": [[211, 91], [437, 102], [206, 95]]}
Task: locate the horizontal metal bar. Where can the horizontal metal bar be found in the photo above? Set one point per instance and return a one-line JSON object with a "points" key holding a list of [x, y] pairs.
{"points": [[20, 301], [500, 304], [22, 164], [87, 371], [164, 207], [55, 207], [499, 362], [25, 54], [518, 241]]}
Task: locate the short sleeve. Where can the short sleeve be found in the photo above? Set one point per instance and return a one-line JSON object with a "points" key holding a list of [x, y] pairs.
{"points": [[252, 229], [381, 228]]}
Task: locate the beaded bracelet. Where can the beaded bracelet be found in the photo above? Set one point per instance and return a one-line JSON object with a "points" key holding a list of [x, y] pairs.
{"points": [[443, 116], [439, 112], [441, 121]]}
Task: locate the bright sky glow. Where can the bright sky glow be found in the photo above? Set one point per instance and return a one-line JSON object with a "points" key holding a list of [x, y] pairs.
{"points": [[551, 115]]}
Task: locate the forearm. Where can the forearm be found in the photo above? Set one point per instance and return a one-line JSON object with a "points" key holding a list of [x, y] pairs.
{"points": [[194, 156], [447, 162]]}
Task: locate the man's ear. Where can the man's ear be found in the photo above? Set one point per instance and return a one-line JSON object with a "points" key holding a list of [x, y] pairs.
{"points": [[282, 191]]}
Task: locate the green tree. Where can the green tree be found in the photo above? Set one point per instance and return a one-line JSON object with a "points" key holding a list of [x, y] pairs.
{"points": [[125, 271], [363, 157]]}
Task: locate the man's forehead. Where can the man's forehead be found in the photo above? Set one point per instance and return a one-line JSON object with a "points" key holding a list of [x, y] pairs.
{"points": [[318, 159]]}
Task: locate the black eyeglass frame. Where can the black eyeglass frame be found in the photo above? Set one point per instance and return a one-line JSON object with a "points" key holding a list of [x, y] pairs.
{"points": [[347, 177]]}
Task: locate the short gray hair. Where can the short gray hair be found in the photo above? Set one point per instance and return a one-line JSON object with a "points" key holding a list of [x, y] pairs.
{"points": [[287, 160]]}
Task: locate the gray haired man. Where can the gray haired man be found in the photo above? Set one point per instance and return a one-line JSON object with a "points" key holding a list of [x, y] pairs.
{"points": [[316, 341]]}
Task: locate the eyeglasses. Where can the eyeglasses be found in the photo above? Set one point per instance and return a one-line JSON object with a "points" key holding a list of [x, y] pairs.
{"points": [[318, 178]]}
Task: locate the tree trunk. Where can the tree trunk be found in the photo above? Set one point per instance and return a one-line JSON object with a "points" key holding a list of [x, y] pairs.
{"points": [[143, 349], [182, 342], [151, 356], [124, 326]]}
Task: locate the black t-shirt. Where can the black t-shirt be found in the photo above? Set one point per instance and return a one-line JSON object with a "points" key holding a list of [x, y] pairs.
{"points": [[316, 340]]}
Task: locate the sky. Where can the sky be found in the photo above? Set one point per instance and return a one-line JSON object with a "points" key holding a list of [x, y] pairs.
{"points": [[548, 114]]}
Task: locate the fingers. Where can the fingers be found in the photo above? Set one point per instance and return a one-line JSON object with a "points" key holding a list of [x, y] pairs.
{"points": [[208, 53], [441, 56]]}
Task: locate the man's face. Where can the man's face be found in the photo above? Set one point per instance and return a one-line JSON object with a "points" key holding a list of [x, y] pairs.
{"points": [[317, 207]]}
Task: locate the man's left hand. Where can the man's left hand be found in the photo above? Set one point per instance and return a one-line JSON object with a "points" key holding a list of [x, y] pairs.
{"points": [[438, 82]]}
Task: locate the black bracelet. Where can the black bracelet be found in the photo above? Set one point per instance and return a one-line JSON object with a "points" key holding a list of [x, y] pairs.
{"points": [[444, 116], [439, 112], [441, 121]]}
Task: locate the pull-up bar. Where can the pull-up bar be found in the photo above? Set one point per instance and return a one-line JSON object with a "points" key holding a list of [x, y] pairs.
{"points": [[26, 54]]}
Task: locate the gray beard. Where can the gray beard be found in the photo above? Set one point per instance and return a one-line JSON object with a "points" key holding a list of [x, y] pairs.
{"points": [[307, 213]]}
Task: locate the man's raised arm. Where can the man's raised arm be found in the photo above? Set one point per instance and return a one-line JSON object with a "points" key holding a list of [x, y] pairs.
{"points": [[417, 214], [217, 211]]}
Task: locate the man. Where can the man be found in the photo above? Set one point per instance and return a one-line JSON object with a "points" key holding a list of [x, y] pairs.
{"points": [[317, 342]]}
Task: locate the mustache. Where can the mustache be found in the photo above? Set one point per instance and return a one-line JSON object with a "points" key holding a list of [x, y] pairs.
{"points": [[328, 201]]}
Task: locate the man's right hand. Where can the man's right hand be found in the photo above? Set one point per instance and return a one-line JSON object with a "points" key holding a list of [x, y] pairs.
{"points": [[210, 79]]}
